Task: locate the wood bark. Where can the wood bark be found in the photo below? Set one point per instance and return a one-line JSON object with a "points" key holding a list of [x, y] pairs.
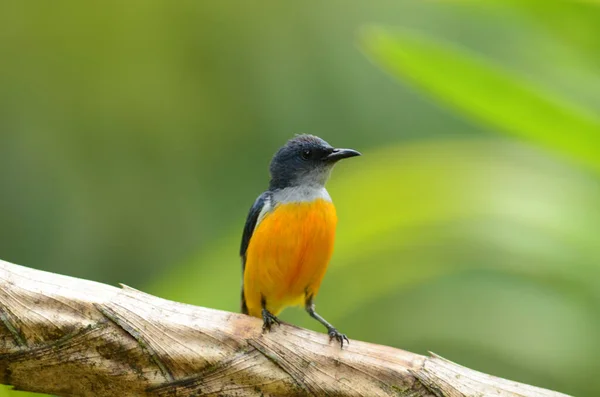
{"points": [[73, 337]]}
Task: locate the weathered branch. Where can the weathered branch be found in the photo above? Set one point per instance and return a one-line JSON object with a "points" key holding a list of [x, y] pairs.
{"points": [[73, 337]]}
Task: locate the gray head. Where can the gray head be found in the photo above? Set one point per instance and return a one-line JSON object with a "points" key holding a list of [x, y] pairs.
{"points": [[305, 160]]}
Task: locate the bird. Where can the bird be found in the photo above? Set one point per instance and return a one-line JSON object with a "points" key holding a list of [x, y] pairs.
{"points": [[289, 234]]}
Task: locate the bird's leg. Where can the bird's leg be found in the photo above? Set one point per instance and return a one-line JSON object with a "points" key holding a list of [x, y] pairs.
{"points": [[331, 330], [268, 318]]}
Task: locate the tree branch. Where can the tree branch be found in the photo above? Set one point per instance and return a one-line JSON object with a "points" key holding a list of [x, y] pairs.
{"points": [[74, 337]]}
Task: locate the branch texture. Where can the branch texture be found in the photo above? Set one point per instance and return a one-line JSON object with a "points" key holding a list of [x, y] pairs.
{"points": [[73, 337]]}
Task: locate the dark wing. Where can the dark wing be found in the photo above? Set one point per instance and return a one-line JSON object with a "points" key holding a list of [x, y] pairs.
{"points": [[251, 221]]}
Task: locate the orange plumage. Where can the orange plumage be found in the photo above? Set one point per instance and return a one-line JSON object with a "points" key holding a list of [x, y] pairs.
{"points": [[288, 255]]}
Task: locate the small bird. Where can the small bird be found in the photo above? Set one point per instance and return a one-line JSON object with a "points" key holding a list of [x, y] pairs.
{"points": [[289, 233]]}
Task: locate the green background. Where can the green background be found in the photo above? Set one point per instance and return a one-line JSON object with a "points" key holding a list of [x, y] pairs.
{"points": [[134, 136]]}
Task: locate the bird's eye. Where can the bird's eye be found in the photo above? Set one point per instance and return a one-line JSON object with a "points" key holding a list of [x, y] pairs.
{"points": [[306, 154]]}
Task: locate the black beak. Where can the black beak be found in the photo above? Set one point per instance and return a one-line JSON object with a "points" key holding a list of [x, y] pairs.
{"points": [[339, 154]]}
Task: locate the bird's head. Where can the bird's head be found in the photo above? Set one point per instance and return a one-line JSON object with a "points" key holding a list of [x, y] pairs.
{"points": [[305, 160]]}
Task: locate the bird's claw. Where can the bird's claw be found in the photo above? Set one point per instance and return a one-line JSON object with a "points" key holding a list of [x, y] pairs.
{"points": [[268, 320], [335, 334]]}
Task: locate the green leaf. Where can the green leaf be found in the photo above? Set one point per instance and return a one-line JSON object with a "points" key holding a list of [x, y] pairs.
{"points": [[485, 93]]}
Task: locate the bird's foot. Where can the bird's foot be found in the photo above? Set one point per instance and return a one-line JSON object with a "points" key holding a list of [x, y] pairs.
{"points": [[335, 334], [268, 320]]}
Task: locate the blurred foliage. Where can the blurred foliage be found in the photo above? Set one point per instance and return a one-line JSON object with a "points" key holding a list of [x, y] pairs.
{"points": [[133, 140], [487, 94]]}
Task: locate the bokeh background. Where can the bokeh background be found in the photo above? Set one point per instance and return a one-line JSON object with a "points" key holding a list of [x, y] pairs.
{"points": [[134, 136]]}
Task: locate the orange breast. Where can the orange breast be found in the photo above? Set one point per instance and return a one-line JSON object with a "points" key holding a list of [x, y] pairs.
{"points": [[288, 254]]}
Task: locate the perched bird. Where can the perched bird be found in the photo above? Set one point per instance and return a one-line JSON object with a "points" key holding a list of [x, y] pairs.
{"points": [[289, 234]]}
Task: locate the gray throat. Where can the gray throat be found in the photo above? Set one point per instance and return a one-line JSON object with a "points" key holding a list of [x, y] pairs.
{"points": [[301, 194]]}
